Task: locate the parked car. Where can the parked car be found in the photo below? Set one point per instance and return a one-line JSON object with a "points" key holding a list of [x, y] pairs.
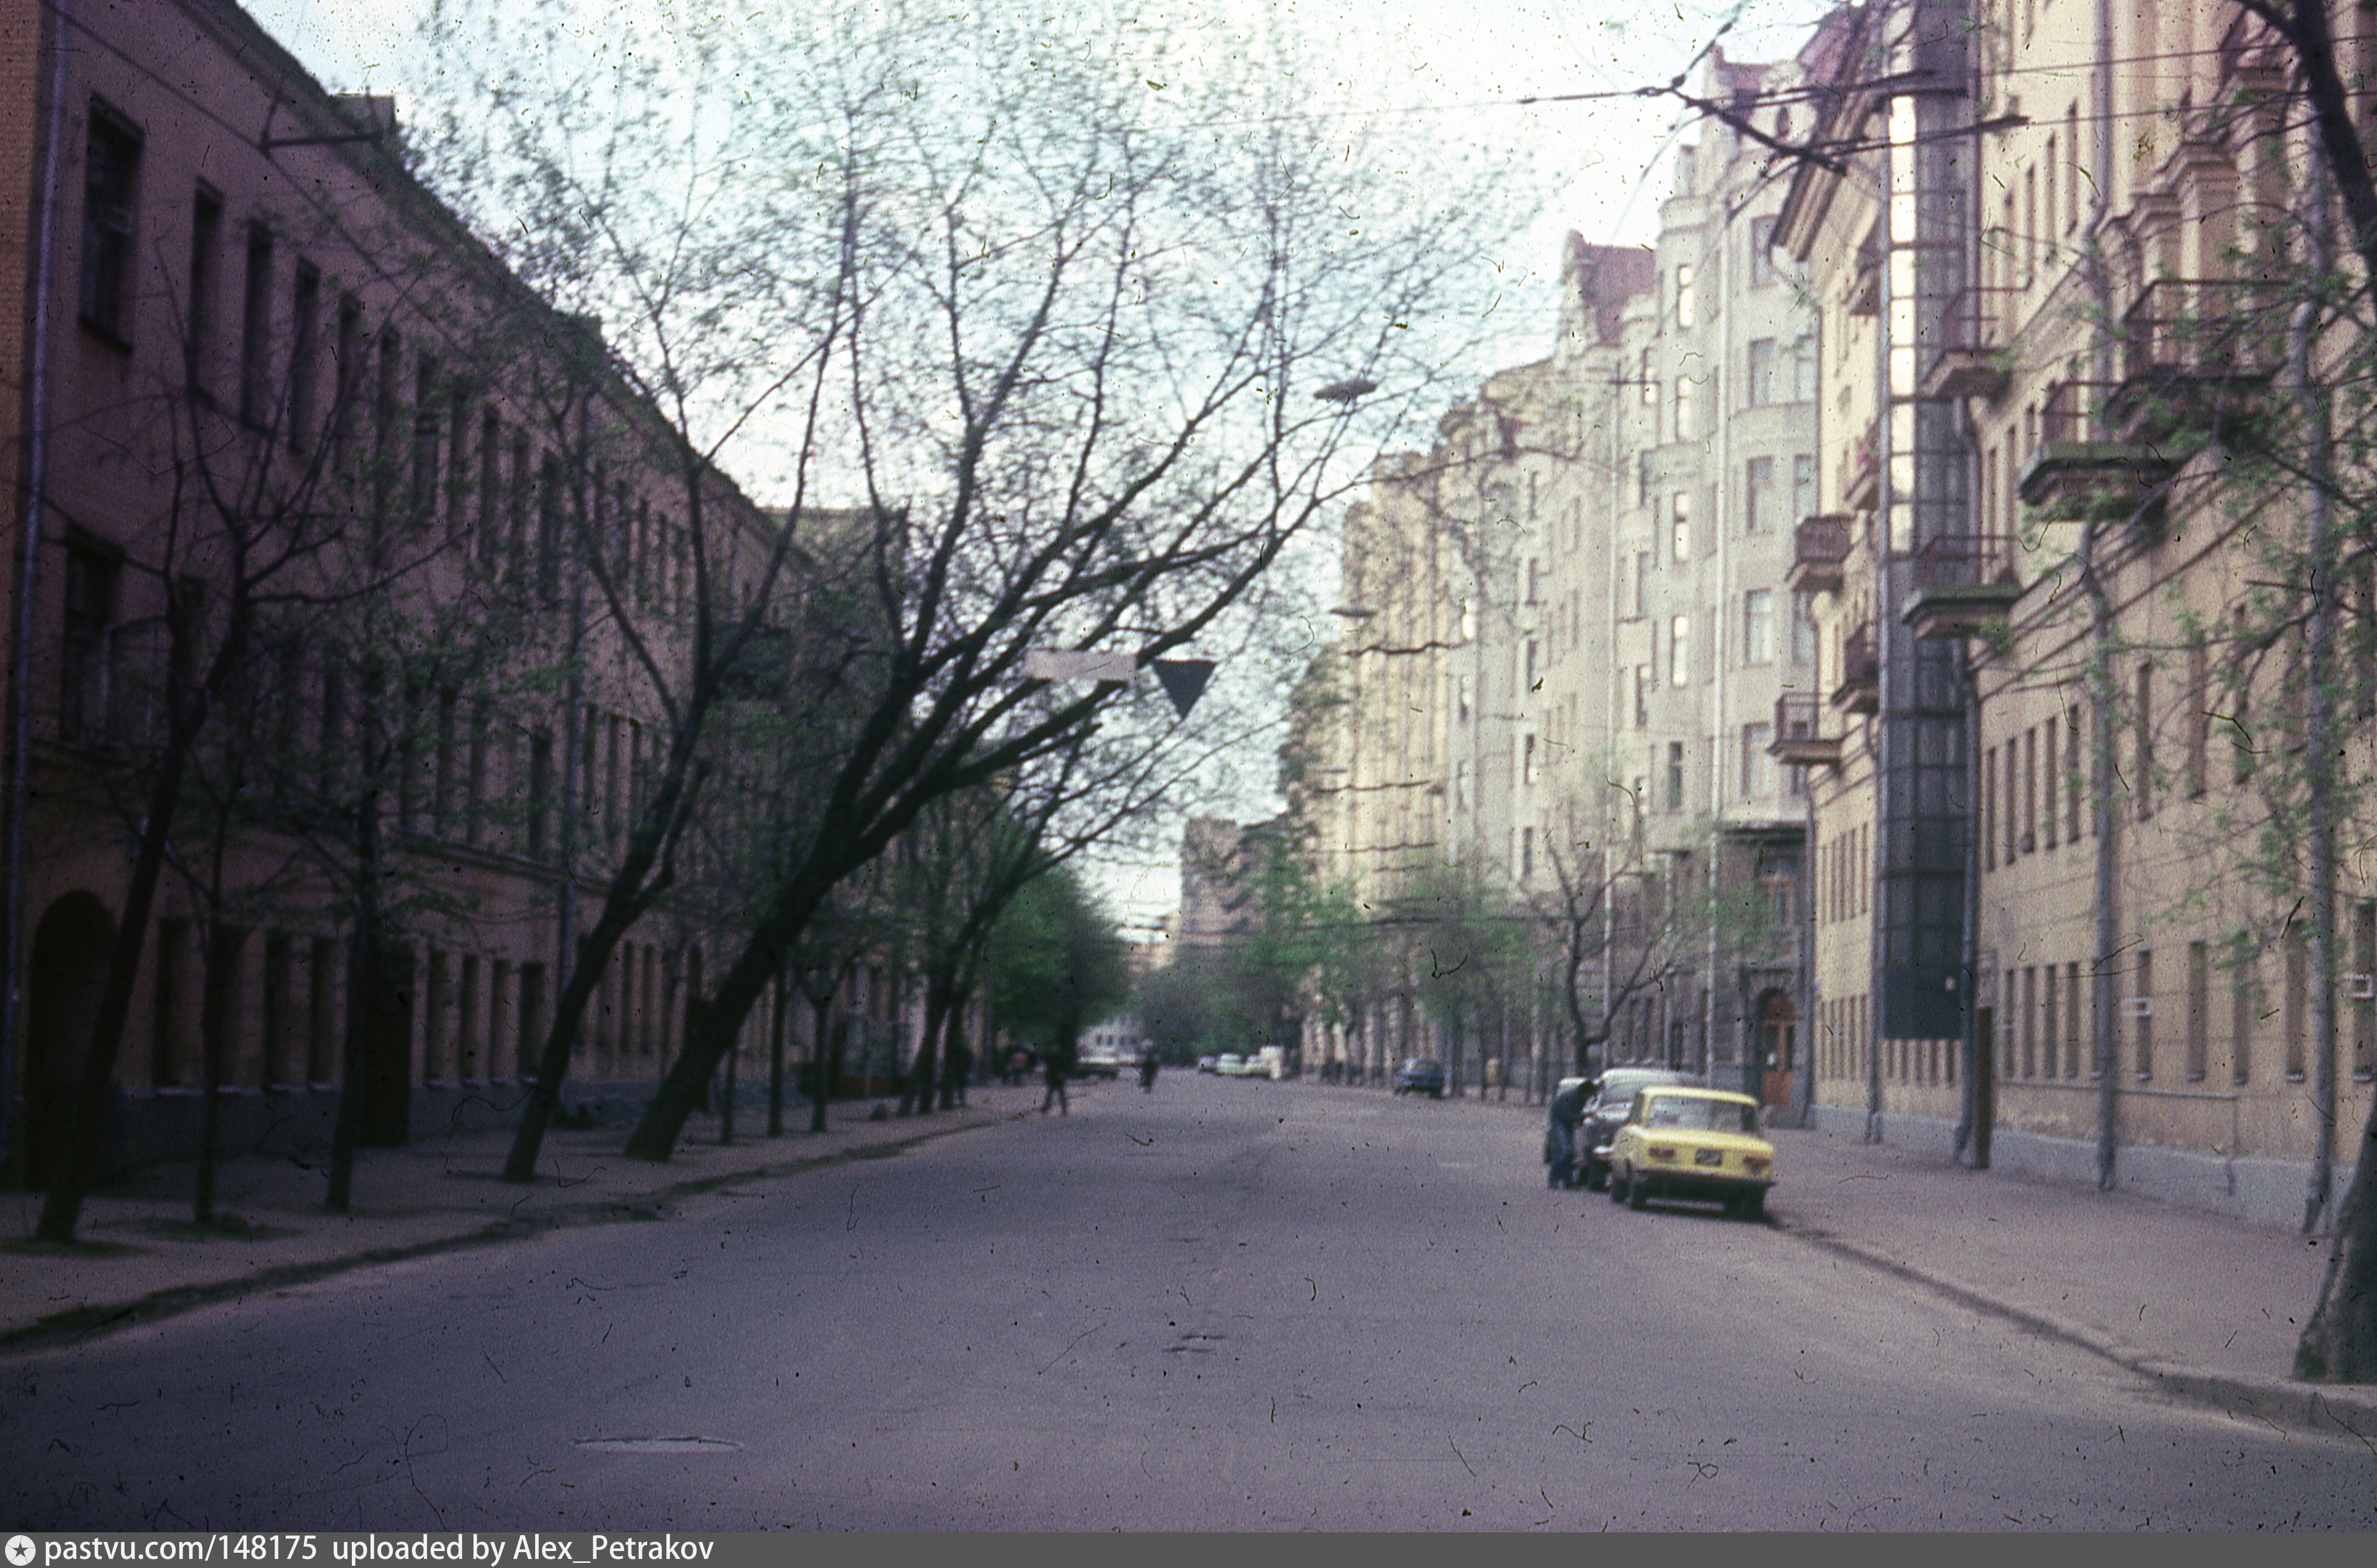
{"points": [[1098, 1064], [1420, 1075], [1687, 1142], [1209, 1064], [1231, 1065], [1606, 1112]]}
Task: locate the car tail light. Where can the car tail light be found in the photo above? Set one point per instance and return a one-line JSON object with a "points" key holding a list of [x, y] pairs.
{"points": [[1661, 1152]]}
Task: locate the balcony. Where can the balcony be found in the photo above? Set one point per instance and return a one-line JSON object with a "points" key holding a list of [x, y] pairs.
{"points": [[1819, 546], [2196, 357], [1797, 717], [2080, 470], [1965, 586], [1860, 687], [1861, 471], [1969, 360]]}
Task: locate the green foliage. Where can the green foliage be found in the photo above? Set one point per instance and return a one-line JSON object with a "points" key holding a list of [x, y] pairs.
{"points": [[1056, 961]]}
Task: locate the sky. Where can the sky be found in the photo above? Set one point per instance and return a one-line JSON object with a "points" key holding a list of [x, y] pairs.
{"points": [[1425, 69]]}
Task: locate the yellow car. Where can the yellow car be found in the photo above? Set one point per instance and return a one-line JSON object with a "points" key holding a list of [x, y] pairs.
{"points": [[1683, 1142]]}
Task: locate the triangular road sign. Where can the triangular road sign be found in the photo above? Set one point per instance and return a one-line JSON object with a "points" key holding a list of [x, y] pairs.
{"points": [[1184, 680]]}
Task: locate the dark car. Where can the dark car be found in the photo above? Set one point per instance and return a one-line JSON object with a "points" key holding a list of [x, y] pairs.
{"points": [[1420, 1075], [1607, 1112]]}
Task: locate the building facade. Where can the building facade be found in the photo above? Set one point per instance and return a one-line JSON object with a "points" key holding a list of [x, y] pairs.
{"points": [[290, 452]]}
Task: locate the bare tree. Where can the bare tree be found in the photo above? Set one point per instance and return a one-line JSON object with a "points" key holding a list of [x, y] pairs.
{"points": [[1101, 368]]}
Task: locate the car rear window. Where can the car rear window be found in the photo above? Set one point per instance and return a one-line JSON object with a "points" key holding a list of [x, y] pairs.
{"points": [[1692, 1114]]}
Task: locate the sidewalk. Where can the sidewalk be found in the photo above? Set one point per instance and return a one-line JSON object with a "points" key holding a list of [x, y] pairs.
{"points": [[2207, 1306], [140, 1257]]}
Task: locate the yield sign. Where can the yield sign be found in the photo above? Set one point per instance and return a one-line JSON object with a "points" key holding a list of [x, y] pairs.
{"points": [[1184, 681]]}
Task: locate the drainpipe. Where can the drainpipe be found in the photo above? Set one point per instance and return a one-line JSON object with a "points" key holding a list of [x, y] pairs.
{"points": [[2321, 736], [2100, 722], [20, 702]]}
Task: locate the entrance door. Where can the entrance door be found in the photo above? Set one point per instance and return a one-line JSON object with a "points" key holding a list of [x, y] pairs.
{"points": [[389, 1121], [69, 970], [1778, 1046]]}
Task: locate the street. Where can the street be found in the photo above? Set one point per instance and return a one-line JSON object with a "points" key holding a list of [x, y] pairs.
{"points": [[1225, 1305]]}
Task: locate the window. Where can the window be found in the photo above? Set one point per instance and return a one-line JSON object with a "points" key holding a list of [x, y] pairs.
{"points": [[1528, 760], [2142, 1015], [1761, 389], [2030, 791], [198, 310], [1682, 527], [255, 329], [540, 791], [1679, 651], [1803, 628], [1526, 854], [1459, 786], [1803, 487], [1798, 375], [1642, 583], [1758, 496], [1758, 626], [1534, 579], [491, 486], [1528, 680], [1675, 775], [1989, 809], [111, 163], [386, 407], [2072, 783], [2199, 715], [1685, 312], [1461, 697], [2199, 1004], [346, 378], [427, 433], [2362, 992], [1685, 428], [1650, 383], [2298, 1019], [1757, 761], [1642, 696], [304, 349], [2244, 1003], [2143, 783], [1643, 479], [1761, 252], [2047, 781], [93, 576]]}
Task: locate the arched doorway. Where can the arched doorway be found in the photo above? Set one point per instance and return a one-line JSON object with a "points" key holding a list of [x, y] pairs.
{"points": [[1778, 1046], [67, 973]]}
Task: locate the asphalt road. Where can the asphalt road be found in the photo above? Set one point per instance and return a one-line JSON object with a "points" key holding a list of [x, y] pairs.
{"points": [[1227, 1305]]}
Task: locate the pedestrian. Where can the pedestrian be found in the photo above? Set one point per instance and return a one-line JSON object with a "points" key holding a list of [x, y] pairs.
{"points": [[1053, 1067], [1559, 1135], [1147, 1066], [1017, 1063], [956, 1066]]}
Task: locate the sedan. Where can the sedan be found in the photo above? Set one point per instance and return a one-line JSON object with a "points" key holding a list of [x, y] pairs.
{"points": [[1684, 1142], [1420, 1075], [1613, 1102], [1231, 1065]]}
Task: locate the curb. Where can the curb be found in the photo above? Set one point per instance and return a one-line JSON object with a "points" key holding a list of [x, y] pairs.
{"points": [[2323, 1408], [93, 1320]]}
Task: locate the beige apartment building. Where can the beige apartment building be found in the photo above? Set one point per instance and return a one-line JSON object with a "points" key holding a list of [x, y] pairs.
{"points": [[246, 327], [2064, 355], [1566, 632]]}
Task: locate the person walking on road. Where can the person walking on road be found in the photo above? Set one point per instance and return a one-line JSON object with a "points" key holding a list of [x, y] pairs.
{"points": [[1147, 1066], [1559, 1135], [1054, 1069]]}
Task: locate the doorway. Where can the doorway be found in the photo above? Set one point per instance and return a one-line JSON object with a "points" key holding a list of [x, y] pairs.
{"points": [[1778, 1047], [69, 971]]}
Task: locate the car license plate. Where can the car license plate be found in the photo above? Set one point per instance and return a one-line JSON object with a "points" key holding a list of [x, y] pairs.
{"points": [[1708, 1157]]}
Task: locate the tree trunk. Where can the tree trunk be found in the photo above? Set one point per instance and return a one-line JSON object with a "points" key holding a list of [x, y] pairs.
{"points": [[2339, 1343], [776, 1062], [354, 1087], [210, 1056], [822, 1068]]}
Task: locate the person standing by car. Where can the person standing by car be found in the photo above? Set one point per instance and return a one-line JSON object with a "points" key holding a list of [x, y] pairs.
{"points": [[1559, 1135]]}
